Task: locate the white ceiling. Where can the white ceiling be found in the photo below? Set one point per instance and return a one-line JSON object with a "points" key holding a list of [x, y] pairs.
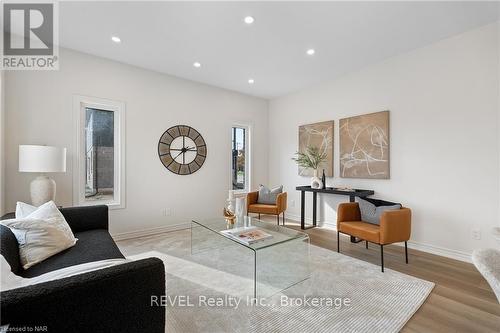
{"points": [[169, 36]]}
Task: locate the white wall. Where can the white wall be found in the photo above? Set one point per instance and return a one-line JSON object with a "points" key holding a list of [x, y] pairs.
{"points": [[444, 137], [39, 111], [2, 144], [496, 231]]}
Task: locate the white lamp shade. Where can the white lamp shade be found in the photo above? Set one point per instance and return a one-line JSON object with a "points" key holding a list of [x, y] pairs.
{"points": [[42, 159]]}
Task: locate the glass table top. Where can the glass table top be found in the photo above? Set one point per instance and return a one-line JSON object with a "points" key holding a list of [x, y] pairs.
{"points": [[279, 234]]}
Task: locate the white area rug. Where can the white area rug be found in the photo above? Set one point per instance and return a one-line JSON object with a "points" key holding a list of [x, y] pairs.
{"points": [[378, 302]]}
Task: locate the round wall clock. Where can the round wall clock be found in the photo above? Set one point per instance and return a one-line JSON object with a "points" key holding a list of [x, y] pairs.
{"points": [[182, 150]]}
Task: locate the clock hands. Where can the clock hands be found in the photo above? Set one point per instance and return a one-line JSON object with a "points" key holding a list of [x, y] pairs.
{"points": [[183, 150], [178, 155]]}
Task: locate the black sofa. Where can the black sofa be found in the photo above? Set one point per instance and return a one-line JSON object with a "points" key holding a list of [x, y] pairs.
{"points": [[114, 299]]}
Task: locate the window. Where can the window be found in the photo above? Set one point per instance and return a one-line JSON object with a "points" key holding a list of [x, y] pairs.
{"points": [[99, 153], [240, 171], [99, 158]]}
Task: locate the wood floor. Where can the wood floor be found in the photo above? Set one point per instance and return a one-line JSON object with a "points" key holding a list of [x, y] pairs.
{"points": [[461, 301]]}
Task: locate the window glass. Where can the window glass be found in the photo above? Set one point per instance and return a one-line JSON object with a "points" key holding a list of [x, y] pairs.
{"points": [[239, 158], [99, 155]]}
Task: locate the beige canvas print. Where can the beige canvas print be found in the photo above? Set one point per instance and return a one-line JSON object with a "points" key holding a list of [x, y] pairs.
{"points": [[318, 135], [364, 146]]}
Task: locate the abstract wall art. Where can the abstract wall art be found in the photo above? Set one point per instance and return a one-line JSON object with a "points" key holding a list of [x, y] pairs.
{"points": [[318, 135], [364, 146]]}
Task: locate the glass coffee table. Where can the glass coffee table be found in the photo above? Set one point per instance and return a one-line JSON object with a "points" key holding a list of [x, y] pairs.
{"points": [[272, 264]]}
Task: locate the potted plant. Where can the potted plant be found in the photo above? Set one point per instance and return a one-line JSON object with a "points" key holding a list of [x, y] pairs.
{"points": [[311, 159]]}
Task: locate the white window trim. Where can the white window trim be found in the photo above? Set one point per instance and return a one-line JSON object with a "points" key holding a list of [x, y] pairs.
{"points": [[248, 158], [79, 105]]}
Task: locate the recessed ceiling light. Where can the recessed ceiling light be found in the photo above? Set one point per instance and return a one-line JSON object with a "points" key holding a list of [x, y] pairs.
{"points": [[251, 81], [197, 64], [116, 39], [310, 51], [249, 19]]}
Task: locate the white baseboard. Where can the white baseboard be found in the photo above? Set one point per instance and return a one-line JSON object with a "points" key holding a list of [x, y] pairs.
{"points": [[437, 250], [296, 218], [150, 232], [440, 251]]}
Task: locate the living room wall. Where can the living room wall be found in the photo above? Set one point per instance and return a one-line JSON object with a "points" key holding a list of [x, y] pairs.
{"points": [[2, 143], [39, 110], [443, 100]]}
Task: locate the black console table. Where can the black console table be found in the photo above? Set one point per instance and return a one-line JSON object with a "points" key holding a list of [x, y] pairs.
{"points": [[329, 190]]}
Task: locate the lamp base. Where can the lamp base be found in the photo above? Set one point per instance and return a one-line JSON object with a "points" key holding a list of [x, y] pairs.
{"points": [[42, 189]]}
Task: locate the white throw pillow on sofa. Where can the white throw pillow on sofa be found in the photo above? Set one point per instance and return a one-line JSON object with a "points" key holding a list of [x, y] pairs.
{"points": [[24, 209], [49, 210], [41, 234]]}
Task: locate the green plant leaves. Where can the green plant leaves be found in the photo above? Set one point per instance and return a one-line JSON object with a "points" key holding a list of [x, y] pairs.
{"points": [[311, 159]]}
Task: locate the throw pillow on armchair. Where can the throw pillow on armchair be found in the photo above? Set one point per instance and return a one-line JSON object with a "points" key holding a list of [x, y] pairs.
{"points": [[268, 196]]}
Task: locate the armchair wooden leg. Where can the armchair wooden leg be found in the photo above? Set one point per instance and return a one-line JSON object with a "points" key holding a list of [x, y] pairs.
{"points": [[406, 251], [382, 257], [259, 216], [338, 242], [366, 244], [278, 218], [283, 218]]}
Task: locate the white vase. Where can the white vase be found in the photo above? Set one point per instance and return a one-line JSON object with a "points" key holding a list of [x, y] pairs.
{"points": [[315, 181], [240, 207]]}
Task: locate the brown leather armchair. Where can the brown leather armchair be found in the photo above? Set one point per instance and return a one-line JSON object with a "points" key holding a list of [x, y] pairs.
{"points": [[395, 226], [278, 208]]}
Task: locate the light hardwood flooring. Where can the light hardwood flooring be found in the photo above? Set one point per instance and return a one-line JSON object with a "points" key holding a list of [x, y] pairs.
{"points": [[461, 301]]}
